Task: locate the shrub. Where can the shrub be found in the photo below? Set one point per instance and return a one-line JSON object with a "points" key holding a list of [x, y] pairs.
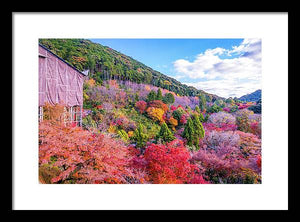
{"points": [[112, 128], [243, 106], [214, 139], [130, 134], [234, 108], [173, 122], [182, 101], [88, 122], [169, 164], [226, 109], [221, 118], [173, 108], [243, 112], [90, 83], [255, 128], [229, 100], [254, 117], [258, 161], [243, 123], [122, 122], [183, 119], [223, 127], [178, 113], [158, 104], [124, 136], [220, 103], [141, 106], [250, 144], [227, 165], [214, 109], [84, 157], [151, 128]]}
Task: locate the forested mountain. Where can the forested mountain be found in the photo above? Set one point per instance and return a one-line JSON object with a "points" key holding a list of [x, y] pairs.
{"points": [[106, 63], [251, 97]]}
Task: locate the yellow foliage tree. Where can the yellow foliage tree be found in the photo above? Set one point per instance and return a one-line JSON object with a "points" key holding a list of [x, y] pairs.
{"points": [[147, 88], [112, 129], [85, 96], [91, 82], [156, 114], [130, 133], [166, 82]]}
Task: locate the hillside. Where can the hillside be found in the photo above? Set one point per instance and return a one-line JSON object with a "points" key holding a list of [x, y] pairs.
{"points": [[135, 130], [106, 63], [137, 133], [251, 97]]}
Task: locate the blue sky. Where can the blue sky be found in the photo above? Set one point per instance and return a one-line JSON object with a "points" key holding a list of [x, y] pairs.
{"points": [[226, 67]]}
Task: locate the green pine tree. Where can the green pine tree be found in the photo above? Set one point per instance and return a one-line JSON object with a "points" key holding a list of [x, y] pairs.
{"points": [[193, 131], [201, 118], [188, 132], [168, 98], [165, 134], [159, 95], [202, 102], [197, 109], [199, 130], [151, 96], [140, 137]]}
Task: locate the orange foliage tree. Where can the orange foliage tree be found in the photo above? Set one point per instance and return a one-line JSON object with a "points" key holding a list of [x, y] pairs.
{"points": [[173, 122], [141, 106], [113, 83], [80, 156], [158, 104], [91, 82]]}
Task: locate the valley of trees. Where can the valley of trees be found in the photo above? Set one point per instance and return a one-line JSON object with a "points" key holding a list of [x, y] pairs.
{"points": [[142, 127]]}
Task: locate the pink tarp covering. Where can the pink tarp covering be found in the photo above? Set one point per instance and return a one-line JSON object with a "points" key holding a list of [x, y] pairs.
{"points": [[58, 82]]}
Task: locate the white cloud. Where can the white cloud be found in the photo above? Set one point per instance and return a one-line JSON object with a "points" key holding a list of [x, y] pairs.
{"points": [[216, 51], [248, 45], [200, 67], [227, 88], [225, 76]]}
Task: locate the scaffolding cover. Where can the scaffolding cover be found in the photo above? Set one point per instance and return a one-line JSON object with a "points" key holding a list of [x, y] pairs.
{"points": [[58, 81]]}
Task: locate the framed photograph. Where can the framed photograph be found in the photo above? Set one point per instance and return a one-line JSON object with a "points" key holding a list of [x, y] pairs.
{"points": [[150, 111]]}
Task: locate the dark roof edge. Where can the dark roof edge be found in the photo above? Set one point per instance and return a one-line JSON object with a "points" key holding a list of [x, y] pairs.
{"points": [[44, 47]]}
